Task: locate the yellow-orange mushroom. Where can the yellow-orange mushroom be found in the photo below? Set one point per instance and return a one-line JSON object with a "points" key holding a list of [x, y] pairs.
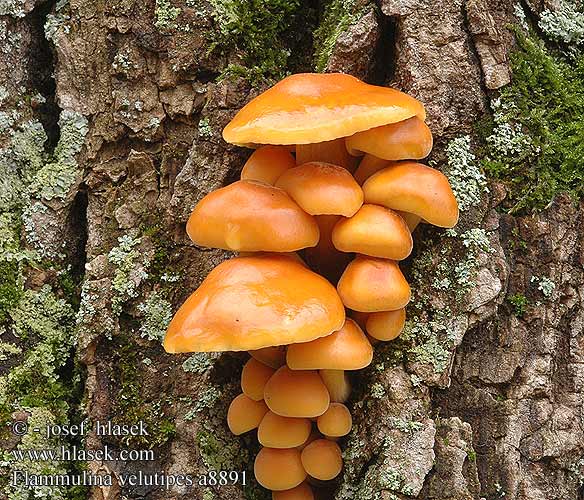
{"points": [[322, 459], [254, 377], [279, 469], [245, 414]]}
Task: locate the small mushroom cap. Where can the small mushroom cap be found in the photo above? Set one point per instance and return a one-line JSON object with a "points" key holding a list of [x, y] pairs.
{"points": [[247, 303], [368, 166], [374, 231], [245, 414], [370, 284], [254, 377], [292, 393], [360, 318], [251, 216], [322, 189], [313, 107], [301, 492], [276, 431], [410, 139], [279, 469], [386, 325], [336, 421], [322, 459], [273, 356], [415, 188], [324, 258], [345, 349], [334, 152], [267, 164]]}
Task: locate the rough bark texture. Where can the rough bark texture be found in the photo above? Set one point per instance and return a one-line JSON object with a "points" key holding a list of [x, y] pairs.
{"points": [[492, 410]]}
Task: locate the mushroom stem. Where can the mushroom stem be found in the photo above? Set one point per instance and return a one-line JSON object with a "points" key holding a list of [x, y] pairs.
{"points": [[274, 357], [368, 166], [337, 383], [333, 152], [412, 220]]}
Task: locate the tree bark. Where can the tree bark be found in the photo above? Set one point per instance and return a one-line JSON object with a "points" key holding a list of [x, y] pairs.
{"points": [[498, 411]]}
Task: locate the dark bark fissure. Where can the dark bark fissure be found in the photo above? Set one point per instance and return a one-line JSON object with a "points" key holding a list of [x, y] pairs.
{"points": [[384, 66]]}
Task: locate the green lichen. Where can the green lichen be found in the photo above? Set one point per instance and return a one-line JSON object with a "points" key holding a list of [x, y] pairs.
{"points": [[205, 129], [255, 30], [377, 391], [535, 143], [338, 16], [166, 15], [157, 313], [199, 362], [519, 303]]}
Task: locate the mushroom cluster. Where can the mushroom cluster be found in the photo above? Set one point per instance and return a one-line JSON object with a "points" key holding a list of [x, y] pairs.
{"points": [[321, 217]]}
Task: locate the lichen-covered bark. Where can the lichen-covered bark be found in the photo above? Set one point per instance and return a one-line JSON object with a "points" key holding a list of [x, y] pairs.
{"points": [[480, 396]]}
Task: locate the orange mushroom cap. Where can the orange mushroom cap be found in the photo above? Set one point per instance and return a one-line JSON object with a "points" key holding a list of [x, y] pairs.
{"points": [[322, 459], [273, 356], [245, 414], [276, 431], [322, 189], [279, 469], [301, 492], [292, 393], [251, 216], [370, 284], [415, 188], [409, 139], [345, 349], [334, 152], [374, 231], [254, 377], [336, 421], [386, 325], [313, 107], [368, 166], [267, 164], [253, 302]]}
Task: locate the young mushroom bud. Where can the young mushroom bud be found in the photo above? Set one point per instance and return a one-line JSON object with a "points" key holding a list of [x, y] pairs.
{"points": [[254, 377], [414, 188], [245, 414], [409, 139], [272, 356], [336, 421], [279, 469], [345, 349], [267, 164], [386, 325], [251, 216], [375, 231], [276, 431], [370, 284], [337, 384], [322, 459], [322, 189], [291, 393], [368, 166], [301, 492]]}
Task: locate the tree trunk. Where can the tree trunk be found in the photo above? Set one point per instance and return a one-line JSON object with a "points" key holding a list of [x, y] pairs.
{"points": [[474, 401]]}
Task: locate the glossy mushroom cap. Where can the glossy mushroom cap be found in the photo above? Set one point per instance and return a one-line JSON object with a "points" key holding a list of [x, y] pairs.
{"points": [[386, 325], [415, 188], [322, 189], [376, 231], [334, 152], [336, 421], [292, 393], [279, 469], [251, 216], [322, 459], [324, 258], [301, 492], [245, 414], [370, 284], [410, 139], [368, 166], [276, 431], [345, 349], [254, 377], [267, 164], [253, 302], [273, 356], [313, 107]]}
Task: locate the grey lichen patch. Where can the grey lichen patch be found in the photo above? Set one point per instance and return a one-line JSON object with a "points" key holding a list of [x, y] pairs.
{"points": [[565, 24], [157, 313], [130, 270], [14, 8], [199, 362], [58, 22], [545, 285]]}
